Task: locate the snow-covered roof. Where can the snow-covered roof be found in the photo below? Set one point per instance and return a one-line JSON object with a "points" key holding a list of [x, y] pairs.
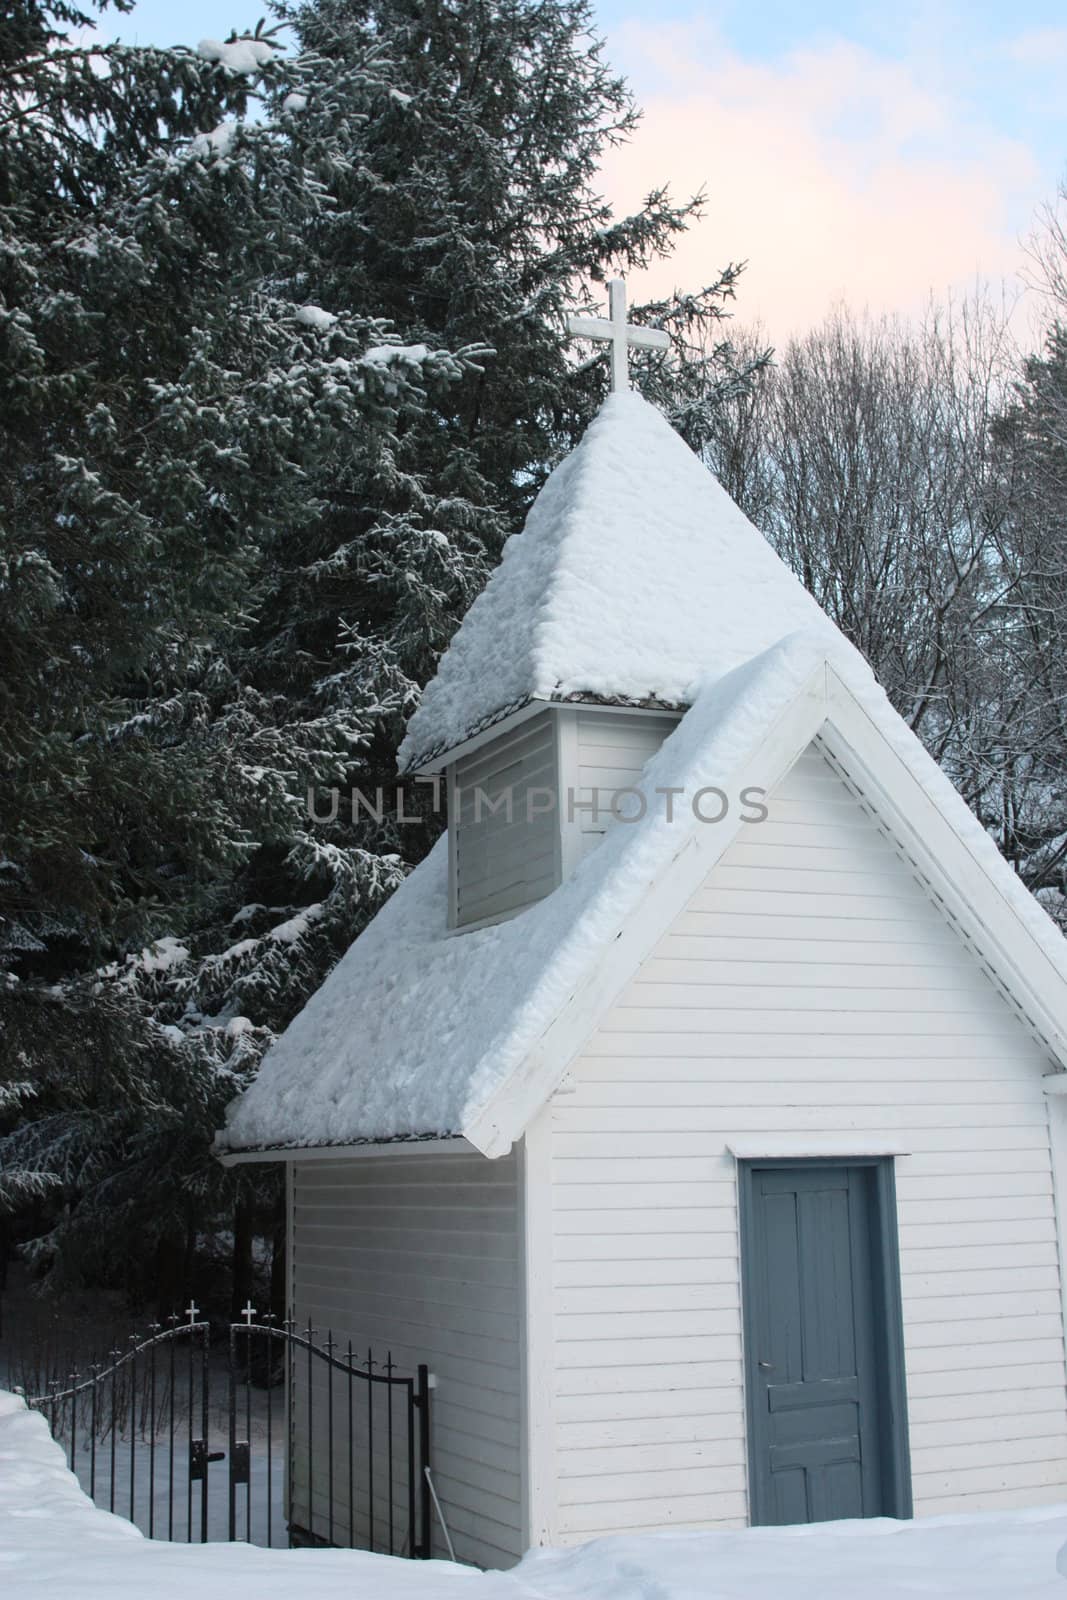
{"points": [[420, 1031], [417, 1025], [636, 578]]}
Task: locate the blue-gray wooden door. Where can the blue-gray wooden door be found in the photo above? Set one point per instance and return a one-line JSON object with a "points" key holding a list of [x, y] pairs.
{"points": [[812, 1356]]}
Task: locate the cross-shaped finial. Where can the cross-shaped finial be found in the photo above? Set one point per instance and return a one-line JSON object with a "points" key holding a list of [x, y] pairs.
{"points": [[248, 1313], [620, 333], [192, 1311]]}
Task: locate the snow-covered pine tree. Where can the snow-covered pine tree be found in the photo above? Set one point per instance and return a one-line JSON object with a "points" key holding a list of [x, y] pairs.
{"points": [[323, 513], [475, 214], [465, 213], [172, 396], [169, 405]]}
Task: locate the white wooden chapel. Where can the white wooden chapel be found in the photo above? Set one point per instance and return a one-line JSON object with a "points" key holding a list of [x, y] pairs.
{"points": [[711, 1146]]}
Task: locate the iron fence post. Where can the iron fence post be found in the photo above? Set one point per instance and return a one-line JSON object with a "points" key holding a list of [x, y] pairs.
{"points": [[233, 1434], [423, 1403], [205, 1424]]}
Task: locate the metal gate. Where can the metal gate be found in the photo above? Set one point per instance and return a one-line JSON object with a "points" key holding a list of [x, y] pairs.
{"points": [[273, 1437]]}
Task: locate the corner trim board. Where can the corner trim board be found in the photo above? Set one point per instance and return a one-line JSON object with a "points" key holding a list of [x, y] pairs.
{"points": [[540, 1491]]}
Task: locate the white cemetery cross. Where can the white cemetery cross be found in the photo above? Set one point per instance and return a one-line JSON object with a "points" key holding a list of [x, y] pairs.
{"points": [[621, 335]]}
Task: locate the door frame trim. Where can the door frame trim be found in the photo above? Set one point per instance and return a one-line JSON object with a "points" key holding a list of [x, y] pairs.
{"points": [[888, 1319]]}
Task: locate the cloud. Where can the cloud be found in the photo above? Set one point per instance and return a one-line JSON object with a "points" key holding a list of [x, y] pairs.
{"points": [[836, 172], [1040, 47]]}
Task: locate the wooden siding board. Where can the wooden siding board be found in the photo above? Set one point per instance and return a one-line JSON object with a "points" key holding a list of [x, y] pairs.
{"points": [[422, 1258], [980, 1382], [504, 860], [810, 984], [505, 750], [652, 1512], [1001, 1409], [503, 865], [651, 1432], [609, 754]]}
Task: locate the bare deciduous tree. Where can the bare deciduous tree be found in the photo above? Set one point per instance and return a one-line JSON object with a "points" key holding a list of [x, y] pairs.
{"points": [[908, 475]]}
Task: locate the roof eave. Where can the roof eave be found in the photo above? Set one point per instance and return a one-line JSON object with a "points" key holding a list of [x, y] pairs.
{"points": [[435, 760], [397, 1145]]}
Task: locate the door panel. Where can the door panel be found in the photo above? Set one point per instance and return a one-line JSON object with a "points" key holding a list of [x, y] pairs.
{"points": [[812, 1347]]}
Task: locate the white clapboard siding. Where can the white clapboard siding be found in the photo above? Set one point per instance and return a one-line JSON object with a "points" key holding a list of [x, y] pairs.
{"points": [[419, 1256], [606, 754], [523, 808], [504, 824], [809, 985]]}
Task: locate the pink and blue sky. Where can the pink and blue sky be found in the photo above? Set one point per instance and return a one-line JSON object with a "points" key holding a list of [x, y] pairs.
{"points": [[853, 152]]}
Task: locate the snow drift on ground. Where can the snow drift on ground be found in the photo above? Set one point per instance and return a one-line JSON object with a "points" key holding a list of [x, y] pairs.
{"points": [[55, 1545], [636, 576]]}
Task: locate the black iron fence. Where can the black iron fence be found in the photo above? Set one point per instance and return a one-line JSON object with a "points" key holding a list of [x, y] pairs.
{"points": [[310, 1442]]}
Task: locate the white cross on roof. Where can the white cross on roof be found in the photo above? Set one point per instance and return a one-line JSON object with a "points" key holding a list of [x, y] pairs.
{"points": [[620, 333]]}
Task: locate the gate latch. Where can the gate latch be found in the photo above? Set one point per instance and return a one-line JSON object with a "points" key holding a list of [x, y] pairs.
{"points": [[199, 1459], [239, 1462]]}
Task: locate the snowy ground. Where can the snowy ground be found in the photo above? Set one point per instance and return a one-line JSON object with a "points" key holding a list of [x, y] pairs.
{"points": [[56, 1545], [165, 1513], [150, 1485]]}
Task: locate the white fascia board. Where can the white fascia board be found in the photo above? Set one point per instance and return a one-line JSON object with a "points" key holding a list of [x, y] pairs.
{"points": [[503, 1120], [350, 1152], [984, 908], [492, 730], [530, 708]]}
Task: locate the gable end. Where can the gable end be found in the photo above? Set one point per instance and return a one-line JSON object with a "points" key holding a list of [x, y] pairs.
{"points": [[825, 744]]}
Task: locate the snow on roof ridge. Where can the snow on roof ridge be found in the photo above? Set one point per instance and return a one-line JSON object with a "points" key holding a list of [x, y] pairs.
{"points": [[636, 577], [583, 502]]}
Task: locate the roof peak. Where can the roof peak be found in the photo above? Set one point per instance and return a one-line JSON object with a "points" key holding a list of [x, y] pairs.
{"points": [[635, 577], [621, 335]]}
